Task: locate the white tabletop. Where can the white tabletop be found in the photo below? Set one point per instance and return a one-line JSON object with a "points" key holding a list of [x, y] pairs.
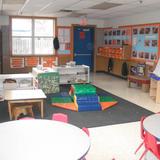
{"points": [[21, 75], [152, 125], [42, 140], [24, 94]]}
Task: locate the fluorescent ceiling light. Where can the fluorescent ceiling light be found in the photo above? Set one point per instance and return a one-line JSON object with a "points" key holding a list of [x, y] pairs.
{"points": [[46, 6], [21, 10]]}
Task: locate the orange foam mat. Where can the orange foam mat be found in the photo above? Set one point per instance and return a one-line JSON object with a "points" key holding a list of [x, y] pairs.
{"points": [[105, 105], [70, 106]]}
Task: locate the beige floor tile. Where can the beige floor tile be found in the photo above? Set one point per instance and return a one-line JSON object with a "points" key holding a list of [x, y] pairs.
{"points": [[118, 141]]}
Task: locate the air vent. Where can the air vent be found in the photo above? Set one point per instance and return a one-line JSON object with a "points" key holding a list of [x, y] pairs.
{"points": [[66, 10], [74, 14], [105, 5]]}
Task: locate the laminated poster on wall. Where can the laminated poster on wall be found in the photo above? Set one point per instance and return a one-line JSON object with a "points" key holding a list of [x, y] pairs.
{"points": [[64, 39], [145, 43]]}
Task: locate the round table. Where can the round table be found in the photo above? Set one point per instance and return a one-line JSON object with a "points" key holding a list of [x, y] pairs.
{"points": [[42, 140], [152, 125]]}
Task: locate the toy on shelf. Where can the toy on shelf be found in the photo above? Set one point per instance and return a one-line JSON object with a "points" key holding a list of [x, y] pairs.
{"points": [[83, 97]]}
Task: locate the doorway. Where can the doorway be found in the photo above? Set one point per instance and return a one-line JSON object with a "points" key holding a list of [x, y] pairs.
{"points": [[83, 45]]}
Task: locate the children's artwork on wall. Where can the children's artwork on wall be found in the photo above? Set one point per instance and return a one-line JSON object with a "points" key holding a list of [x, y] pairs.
{"points": [[141, 31], [110, 33], [147, 55], [153, 56], [145, 42], [123, 32], [118, 36], [147, 30], [154, 43], [135, 31], [154, 30], [118, 32], [114, 33]]}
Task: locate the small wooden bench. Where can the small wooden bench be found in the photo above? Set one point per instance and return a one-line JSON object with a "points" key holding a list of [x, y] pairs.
{"points": [[140, 81]]}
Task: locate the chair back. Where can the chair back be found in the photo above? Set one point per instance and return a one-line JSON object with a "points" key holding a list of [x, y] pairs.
{"points": [[152, 144], [60, 117], [86, 131], [142, 129]]}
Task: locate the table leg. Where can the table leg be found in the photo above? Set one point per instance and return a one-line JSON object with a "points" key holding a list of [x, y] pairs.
{"points": [[42, 109], [9, 110], [129, 83]]}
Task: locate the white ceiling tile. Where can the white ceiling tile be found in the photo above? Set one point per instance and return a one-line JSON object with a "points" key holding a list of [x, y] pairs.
{"points": [[12, 7], [52, 7], [87, 11]]}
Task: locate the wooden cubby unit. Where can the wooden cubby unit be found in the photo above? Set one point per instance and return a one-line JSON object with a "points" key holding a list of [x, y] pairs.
{"points": [[155, 90], [119, 55]]}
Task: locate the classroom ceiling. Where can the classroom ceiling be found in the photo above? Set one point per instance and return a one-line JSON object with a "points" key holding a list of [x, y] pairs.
{"points": [[98, 9]]}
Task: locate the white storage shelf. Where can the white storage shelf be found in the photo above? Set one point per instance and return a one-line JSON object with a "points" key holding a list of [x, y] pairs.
{"points": [[23, 81], [68, 75], [75, 74]]}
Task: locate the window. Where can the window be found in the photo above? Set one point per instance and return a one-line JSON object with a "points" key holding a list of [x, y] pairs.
{"points": [[31, 36]]}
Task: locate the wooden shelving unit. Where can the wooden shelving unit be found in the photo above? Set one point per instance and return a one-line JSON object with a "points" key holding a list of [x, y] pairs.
{"points": [[155, 90]]}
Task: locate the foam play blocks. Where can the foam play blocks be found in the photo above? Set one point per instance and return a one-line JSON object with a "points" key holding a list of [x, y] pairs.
{"points": [[83, 89], [89, 107], [82, 97], [70, 106], [107, 102]]}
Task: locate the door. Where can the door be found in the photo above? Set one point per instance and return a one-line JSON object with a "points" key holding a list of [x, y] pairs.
{"points": [[83, 45]]}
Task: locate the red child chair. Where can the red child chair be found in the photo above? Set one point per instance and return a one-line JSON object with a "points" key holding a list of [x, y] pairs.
{"points": [[151, 145], [149, 142], [60, 117], [86, 131], [142, 134]]}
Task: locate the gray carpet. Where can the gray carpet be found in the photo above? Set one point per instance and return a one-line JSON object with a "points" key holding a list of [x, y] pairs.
{"points": [[122, 112]]}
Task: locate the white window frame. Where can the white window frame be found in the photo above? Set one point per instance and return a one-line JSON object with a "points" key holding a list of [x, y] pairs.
{"points": [[32, 35]]}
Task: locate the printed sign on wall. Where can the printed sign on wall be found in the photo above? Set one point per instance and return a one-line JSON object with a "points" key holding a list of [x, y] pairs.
{"points": [[16, 62]]}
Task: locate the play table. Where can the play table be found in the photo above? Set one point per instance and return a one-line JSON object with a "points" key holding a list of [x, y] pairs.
{"points": [[42, 140], [24, 96]]}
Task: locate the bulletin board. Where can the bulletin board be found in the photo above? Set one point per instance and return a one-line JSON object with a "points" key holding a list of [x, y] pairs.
{"points": [[64, 36], [145, 42], [117, 36]]}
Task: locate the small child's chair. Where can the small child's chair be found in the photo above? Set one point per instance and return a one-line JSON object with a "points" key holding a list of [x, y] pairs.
{"points": [[60, 117]]}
